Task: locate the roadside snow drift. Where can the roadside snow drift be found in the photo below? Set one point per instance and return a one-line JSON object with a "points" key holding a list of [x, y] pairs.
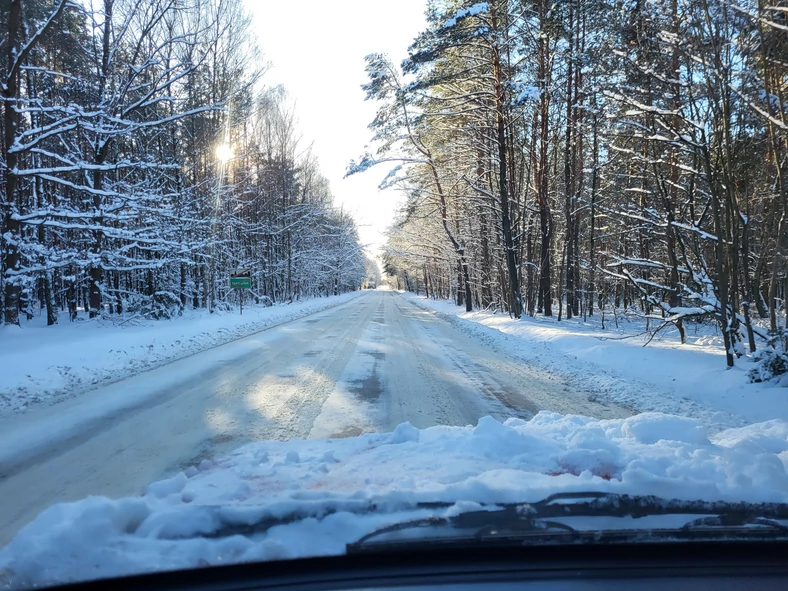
{"points": [[614, 365], [46, 364], [334, 491]]}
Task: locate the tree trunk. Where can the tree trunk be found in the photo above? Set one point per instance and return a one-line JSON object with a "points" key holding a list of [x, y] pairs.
{"points": [[545, 301], [10, 229], [467, 281], [592, 238], [516, 305], [567, 254], [50, 307]]}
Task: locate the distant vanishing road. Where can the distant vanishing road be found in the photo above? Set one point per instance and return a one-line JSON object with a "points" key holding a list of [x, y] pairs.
{"points": [[363, 366]]}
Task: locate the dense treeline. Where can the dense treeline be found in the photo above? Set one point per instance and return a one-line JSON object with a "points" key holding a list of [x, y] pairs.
{"points": [[115, 199], [561, 158]]}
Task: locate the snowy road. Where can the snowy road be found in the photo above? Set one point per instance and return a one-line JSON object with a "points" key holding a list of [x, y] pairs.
{"points": [[363, 366]]}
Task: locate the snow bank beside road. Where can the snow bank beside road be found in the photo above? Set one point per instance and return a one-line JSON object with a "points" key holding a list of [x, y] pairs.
{"points": [[203, 516], [665, 376], [48, 364]]}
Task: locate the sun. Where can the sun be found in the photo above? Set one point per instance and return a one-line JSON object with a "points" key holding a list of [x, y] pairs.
{"points": [[224, 152]]}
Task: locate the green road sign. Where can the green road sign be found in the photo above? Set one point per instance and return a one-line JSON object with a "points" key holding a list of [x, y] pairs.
{"points": [[241, 279], [241, 282]]}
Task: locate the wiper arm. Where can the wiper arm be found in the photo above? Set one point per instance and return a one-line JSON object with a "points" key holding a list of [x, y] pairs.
{"points": [[220, 521], [538, 518], [522, 521], [599, 504], [726, 520], [481, 522]]}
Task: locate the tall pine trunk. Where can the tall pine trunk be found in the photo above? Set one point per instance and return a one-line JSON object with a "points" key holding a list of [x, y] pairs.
{"points": [[10, 228], [515, 297], [545, 299]]}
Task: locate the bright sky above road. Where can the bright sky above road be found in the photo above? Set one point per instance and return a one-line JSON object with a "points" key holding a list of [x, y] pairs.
{"points": [[316, 49]]}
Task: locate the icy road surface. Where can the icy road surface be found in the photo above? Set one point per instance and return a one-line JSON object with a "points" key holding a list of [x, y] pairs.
{"points": [[361, 367]]}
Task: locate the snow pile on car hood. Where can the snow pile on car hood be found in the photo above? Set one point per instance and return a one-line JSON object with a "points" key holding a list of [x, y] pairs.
{"points": [[276, 500]]}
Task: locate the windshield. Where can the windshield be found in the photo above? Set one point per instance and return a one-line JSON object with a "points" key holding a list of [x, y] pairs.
{"points": [[282, 281]]}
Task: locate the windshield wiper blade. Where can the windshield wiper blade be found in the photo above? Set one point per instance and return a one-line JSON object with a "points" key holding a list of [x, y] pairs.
{"points": [[521, 522], [597, 504], [540, 518], [479, 522], [221, 521]]}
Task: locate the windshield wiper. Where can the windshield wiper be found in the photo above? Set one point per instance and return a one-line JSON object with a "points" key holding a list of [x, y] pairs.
{"points": [[507, 522], [541, 522]]}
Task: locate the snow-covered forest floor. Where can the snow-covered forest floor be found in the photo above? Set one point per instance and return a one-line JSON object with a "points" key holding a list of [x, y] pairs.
{"points": [[613, 364], [46, 364]]}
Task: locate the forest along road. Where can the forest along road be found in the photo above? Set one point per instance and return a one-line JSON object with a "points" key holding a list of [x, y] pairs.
{"points": [[364, 366]]}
